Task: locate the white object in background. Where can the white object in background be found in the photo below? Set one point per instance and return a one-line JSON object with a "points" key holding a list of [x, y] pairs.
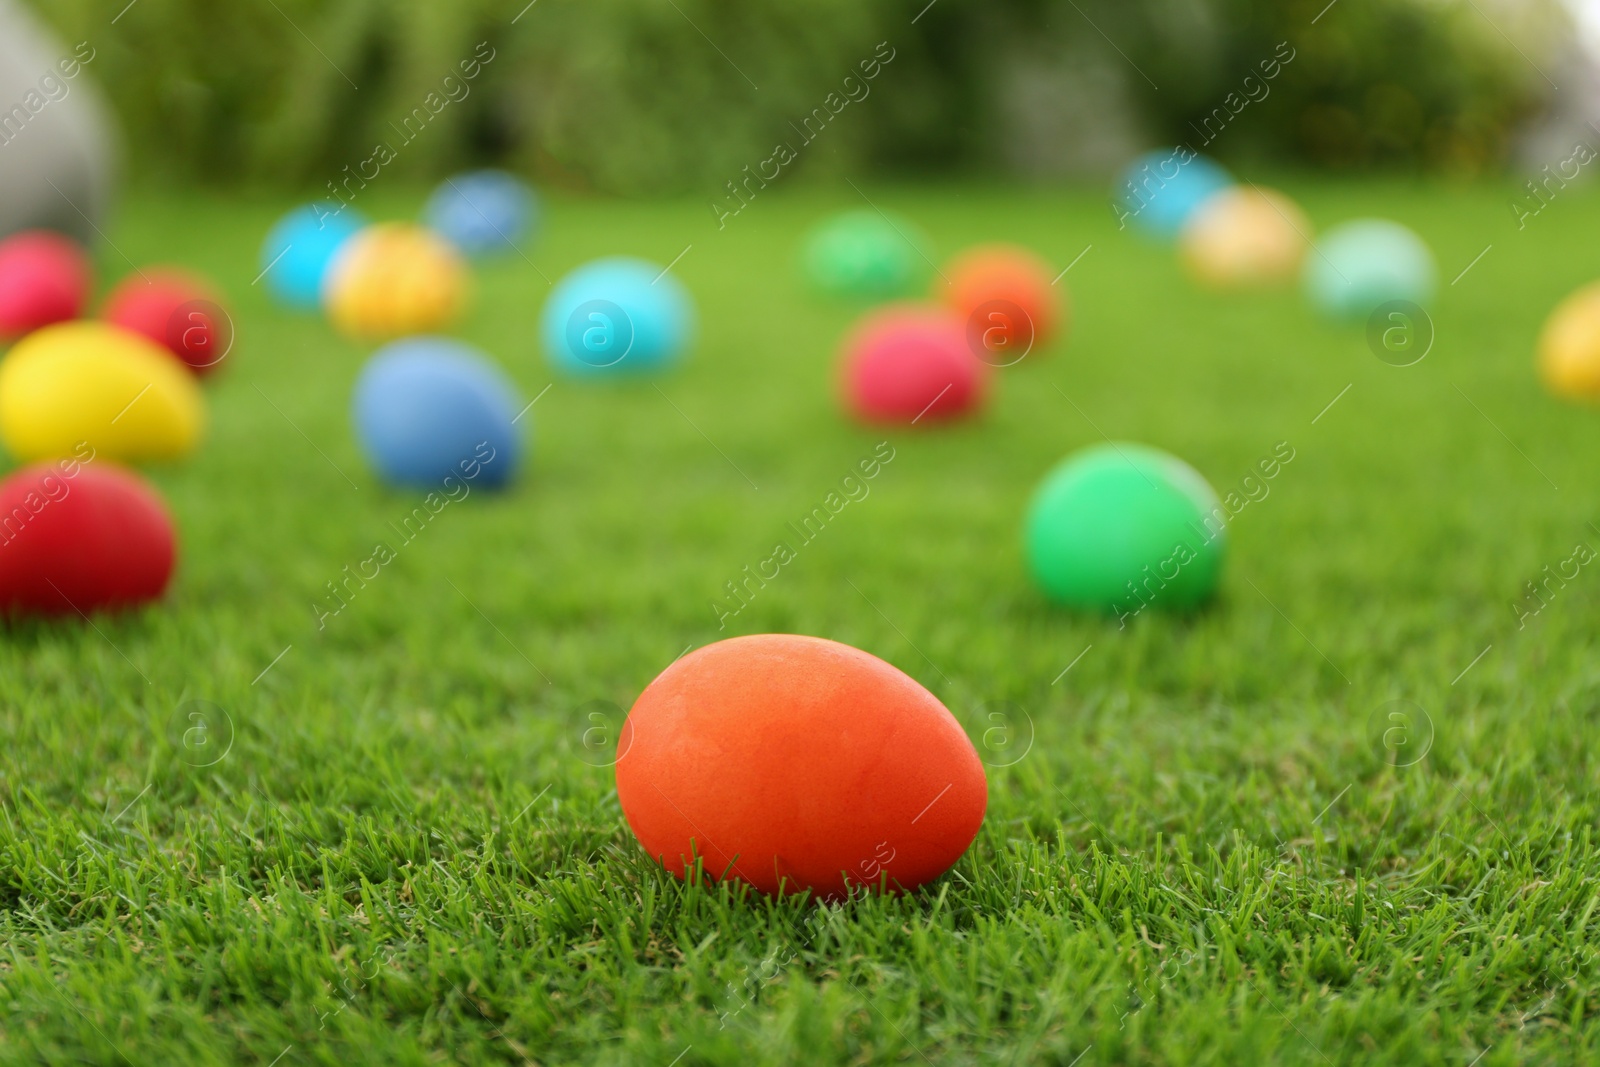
{"points": [[56, 138]]}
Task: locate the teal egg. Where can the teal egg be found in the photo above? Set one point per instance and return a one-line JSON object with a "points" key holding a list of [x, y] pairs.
{"points": [[298, 251], [617, 316], [1356, 266]]}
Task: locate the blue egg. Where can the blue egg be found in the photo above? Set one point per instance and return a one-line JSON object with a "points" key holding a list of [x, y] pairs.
{"points": [[617, 316], [1356, 266], [482, 212], [428, 408], [296, 253], [1162, 189]]}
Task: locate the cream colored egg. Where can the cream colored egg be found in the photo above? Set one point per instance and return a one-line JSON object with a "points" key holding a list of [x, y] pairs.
{"points": [[1245, 236]]}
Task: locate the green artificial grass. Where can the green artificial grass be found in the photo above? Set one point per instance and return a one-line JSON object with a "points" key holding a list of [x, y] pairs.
{"points": [[1198, 849]]}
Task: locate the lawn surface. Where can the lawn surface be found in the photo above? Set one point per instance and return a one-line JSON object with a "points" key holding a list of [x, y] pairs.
{"points": [[1198, 848]]}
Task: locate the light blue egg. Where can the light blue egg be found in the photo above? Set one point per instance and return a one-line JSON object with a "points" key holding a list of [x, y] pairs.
{"points": [[428, 408], [297, 251], [1162, 189], [483, 211], [1359, 265], [617, 316]]}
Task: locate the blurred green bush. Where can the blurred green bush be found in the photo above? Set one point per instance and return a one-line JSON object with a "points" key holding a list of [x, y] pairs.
{"points": [[639, 96]]}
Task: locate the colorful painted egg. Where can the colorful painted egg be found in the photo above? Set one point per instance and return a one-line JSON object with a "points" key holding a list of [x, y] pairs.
{"points": [[1005, 295], [866, 255], [795, 763], [44, 278], [296, 254], [1569, 345], [1119, 526], [92, 383], [912, 363], [1160, 190], [176, 310], [395, 279], [617, 316], [482, 212], [1245, 236], [1359, 266], [429, 408], [80, 535]]}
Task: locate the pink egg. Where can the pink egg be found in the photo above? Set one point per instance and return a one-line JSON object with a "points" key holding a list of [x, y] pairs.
{"points": [[44, 278], [911, 363]]}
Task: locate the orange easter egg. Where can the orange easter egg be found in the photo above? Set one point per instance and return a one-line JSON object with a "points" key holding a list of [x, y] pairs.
{"points": [[1004, 294], [796, 763]]}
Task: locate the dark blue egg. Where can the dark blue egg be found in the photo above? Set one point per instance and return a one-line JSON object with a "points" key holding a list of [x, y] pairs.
{"points": [[297, 251], [429, 408], [483, 212]]}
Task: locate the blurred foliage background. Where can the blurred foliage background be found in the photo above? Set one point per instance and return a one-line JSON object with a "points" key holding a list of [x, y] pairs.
{"points": [[641, 96]]}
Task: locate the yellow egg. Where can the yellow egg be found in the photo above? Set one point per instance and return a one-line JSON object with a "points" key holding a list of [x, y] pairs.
{"points": [[90, 382], [1569, 346], [395, 279], [1245, 236]]}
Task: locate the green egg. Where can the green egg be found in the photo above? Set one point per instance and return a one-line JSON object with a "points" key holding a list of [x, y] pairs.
{"points": [[866, 255], [1120, 527]]}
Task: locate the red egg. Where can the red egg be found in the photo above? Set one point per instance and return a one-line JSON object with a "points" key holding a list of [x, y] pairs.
{"points": [[44, 278], [794, 763], [912, 363], [175, 310], [1006, 296], [78, 535]]}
